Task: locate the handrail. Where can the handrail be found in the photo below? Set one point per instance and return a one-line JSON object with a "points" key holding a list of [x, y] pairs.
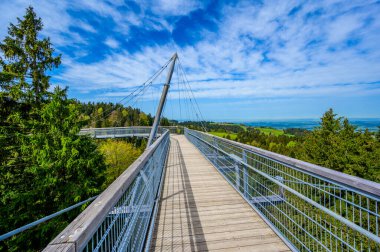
{"points": [[296, 197], [79, 232], [131, 127], [120, 132], [44, 219], [354, 182]]}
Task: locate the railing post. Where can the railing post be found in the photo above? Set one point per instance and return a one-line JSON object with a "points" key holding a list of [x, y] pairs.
{"points": [[215, 143], [157, 169], [237, 175], [281, 189], [245, 173], [131, 203], [299, 180]]}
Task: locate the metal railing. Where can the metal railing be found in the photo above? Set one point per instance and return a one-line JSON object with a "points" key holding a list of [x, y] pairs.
{"points": [[311, 208], [174, 129], [119, 219], [133, 131], [115, 132]]}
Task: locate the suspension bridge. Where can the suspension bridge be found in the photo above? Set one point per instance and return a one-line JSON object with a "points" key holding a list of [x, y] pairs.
{"points": [[192, 191]]}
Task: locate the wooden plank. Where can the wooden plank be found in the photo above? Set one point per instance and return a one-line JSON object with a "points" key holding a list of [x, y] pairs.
{"points": [[209, 237], [241, 244], [163, 231], [233, 207], [200, 211]]}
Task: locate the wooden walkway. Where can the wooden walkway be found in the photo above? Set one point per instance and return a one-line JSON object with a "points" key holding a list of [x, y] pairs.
{"points": [[200, 211]]}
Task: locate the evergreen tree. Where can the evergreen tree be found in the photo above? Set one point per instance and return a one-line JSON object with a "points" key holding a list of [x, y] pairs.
{"points": [[26, 59], [45, 166], [164, 122], [338, 145]]}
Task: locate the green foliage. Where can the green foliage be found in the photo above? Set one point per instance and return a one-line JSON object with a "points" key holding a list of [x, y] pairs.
{"points": [[58, 169], [164, 122], [26, 57], [144, 120], [213, 127], [44, 165], [296, 132], [119, 155], [291, 144], [114, 115], [223, 134], [337, 144], [271, 131], [280, 143]]}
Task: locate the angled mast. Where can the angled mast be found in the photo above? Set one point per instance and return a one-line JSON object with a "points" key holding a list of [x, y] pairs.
{"points": [[157, 118]]}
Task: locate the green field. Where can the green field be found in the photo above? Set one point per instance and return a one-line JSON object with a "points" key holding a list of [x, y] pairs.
{"points": [[276, 132], [266, 131], [223, 134]]}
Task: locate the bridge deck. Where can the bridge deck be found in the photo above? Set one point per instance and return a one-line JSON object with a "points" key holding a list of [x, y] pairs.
{"points": [[200, 211]]}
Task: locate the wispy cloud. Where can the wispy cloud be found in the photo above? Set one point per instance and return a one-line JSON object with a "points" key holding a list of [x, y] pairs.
{"points": [[271, 49], [111, 42], [174, 7]]}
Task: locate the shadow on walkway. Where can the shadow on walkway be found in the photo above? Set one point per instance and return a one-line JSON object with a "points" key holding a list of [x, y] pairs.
{"points": [[188, 234]]}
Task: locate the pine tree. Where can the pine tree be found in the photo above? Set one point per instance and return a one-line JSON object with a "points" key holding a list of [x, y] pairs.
{"points": [[26, 60], [338, 145], [45, 166]]}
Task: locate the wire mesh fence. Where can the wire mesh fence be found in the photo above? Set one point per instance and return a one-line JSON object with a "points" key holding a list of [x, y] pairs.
{"points": [[125, 226], [119, 219], [133, 131], [311, 212]]}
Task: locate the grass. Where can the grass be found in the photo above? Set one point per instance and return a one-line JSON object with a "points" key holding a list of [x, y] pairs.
{"points": [[276, 132], [266, 131], [223, 134]]}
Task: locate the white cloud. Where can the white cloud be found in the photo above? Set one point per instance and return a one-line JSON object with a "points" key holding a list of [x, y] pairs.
{"points": [[54, 16], [111, 43], [307, 52], [174, 7], [85, 26], [341, 27], [119, 70]]}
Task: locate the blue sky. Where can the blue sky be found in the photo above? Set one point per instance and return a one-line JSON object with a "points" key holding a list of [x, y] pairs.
{"points": [[245, 60]]}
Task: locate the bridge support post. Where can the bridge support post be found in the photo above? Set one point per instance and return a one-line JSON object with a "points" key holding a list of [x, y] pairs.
{"points": [[133, 198], [156, 182], [157, 118], [237, 175], [245, 174], [215, 143], [281, 189]]}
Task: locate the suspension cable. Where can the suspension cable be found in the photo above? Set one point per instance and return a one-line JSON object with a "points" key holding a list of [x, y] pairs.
{"points": [[135, 92], [196, 106]]}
